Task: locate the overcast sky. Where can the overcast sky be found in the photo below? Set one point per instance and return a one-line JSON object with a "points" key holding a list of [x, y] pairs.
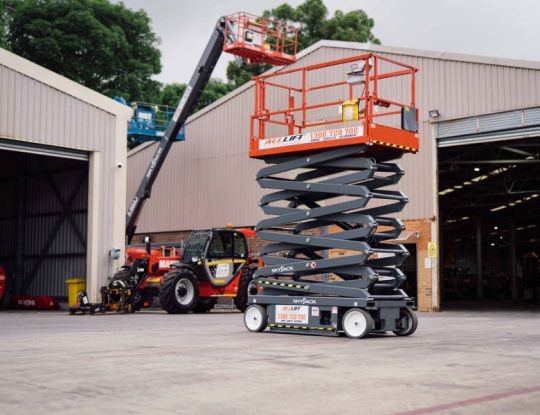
{"points": [[501, 28]]}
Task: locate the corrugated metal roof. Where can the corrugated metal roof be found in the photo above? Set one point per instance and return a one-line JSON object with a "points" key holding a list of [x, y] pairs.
{"points": [[65, 85]]}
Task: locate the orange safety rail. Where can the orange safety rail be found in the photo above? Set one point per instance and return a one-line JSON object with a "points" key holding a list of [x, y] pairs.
{"points": [[308, 115], [259, 39]]}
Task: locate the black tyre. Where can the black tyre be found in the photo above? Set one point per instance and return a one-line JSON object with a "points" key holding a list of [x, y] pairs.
{"points": [[205, 305], [357, 323], [120, 277], [241, 299], [142, 299], [255, 318], [407, 324], [179, 291]]}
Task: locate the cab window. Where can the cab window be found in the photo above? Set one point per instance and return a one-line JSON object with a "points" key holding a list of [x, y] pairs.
{"points": [[240, 248]]}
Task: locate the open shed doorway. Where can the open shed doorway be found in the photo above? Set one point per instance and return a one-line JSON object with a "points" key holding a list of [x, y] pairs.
{"points": [[43, 221], [489, 206]]}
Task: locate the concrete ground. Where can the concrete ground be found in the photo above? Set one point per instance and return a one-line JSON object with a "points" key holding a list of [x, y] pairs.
{"points": [[154, 363]]}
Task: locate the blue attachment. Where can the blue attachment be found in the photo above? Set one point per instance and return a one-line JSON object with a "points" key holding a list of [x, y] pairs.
{"points": [[149, 122]]}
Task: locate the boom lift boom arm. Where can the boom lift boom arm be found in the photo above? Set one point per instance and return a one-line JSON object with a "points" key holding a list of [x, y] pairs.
{"points": [[187, 103]]}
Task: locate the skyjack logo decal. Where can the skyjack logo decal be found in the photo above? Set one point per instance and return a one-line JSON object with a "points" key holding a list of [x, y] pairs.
{"points": [[304, 300], [282, 269], [308, 138]]}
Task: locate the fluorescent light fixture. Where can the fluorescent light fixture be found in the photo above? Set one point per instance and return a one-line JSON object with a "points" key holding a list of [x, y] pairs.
{"points": [[498, 208]]}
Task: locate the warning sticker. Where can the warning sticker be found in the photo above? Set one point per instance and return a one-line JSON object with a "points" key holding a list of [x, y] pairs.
{"points": [[292, 314], [314, 137], [222, 271]]}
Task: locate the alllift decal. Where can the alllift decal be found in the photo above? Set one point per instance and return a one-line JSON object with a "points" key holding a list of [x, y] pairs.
{"points": [[310, 138]]}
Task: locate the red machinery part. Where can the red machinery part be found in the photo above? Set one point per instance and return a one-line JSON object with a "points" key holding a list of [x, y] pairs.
{"points": [[34, 302], [3, 282]]}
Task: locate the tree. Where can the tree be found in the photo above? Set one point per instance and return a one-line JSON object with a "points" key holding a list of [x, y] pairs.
{"points": [[171, 93], [6, 10], [311, 18], [106, 47]]}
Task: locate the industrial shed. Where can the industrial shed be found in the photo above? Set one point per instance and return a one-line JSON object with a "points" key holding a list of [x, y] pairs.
{"points": [[472, 219], [62, 179]]}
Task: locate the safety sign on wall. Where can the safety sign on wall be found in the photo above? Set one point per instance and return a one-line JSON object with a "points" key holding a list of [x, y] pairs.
{"points": [[432, 249]]}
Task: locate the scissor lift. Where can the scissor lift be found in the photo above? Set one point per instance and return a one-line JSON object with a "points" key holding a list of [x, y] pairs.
{"points": [[328, 267]]}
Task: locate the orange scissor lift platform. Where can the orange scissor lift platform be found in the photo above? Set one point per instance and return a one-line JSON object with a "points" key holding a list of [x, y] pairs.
{"points": [[309, 117]]}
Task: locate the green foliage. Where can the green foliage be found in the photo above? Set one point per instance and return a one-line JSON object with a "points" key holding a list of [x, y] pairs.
{"points": [[6, 10], [170, 94], [314, 25], [104, 46]]}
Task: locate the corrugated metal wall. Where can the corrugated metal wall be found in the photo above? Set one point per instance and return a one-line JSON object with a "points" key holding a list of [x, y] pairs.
{"points": [[31, 111], [208, 180]]}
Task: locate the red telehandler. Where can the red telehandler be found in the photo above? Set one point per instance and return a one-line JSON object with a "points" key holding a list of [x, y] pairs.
{"points": [[214, 262]]}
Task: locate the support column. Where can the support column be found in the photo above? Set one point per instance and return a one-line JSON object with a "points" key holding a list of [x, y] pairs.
{"points": [[20, 223], [513, 260], [93, 282], [479, 274], [435, 274]]}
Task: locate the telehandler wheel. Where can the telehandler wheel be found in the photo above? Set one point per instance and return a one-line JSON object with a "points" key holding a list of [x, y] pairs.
{"points": [[357, 323], [255, 318], [241, 299], [179, 292], [205, 305], [408, 322]]}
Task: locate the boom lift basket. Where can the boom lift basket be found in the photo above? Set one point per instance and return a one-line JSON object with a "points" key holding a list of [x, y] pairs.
{"points": [[259, 39]]}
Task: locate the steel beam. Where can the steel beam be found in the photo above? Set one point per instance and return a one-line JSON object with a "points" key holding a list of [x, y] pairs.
{"points": [[29, 277], [513, 260], [20, 221], [479, 264]]}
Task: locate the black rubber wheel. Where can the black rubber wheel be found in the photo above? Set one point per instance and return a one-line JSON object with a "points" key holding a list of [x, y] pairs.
{"points": [[122, 275], [141, 299], [255, 318], [357, 323], [241, 299], [179, 291], [407, 324], [205, 305]]}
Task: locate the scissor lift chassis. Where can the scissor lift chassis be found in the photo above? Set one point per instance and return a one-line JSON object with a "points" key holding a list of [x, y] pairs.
{"points": [[324, 188], [325, 312]]}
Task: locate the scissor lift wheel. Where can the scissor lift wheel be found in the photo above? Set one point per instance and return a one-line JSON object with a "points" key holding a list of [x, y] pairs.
{"points": [[357, 323], [255, 318], [407, 324]]}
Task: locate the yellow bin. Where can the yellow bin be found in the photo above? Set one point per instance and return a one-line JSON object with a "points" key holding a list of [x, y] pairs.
{"points": [[75, 286]]}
